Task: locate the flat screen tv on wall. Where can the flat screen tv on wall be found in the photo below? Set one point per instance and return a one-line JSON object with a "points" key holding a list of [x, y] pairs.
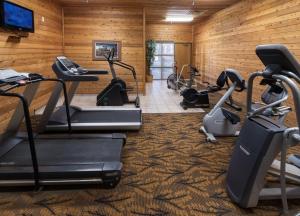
{"points": [[16, 17]]}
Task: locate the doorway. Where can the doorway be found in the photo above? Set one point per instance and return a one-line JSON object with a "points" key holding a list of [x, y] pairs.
{"points": [[183, 56], [167, 54]]}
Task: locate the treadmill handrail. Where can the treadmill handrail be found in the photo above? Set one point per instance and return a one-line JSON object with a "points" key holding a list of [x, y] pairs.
{"points": [[29, 133], [11, 87], [66, 103], [64, 87], [6, 93]]}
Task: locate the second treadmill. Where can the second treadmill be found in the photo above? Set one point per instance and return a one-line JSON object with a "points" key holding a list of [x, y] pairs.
{"points": [[89, 118]]}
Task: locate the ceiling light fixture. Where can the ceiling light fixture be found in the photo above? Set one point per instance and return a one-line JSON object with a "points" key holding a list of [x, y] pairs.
{"points": [[179, 18]]}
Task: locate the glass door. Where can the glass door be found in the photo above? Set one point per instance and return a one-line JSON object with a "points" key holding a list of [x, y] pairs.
{"points": [[163, 63]]}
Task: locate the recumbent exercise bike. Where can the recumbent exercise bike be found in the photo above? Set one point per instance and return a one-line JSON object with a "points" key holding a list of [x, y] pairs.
{"points": [[220, 121]]}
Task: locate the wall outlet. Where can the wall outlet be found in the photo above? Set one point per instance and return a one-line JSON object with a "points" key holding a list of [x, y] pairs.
{"points": [[43, 19]]}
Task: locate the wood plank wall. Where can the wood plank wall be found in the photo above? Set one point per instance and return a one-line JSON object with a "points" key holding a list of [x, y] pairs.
{"points": [[228, 39], [35, 53], [179, 33], [85, 24]]}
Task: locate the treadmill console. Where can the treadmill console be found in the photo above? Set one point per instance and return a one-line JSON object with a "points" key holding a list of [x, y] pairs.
{"points": [[70, 66], [12, 77], [67, 70]]}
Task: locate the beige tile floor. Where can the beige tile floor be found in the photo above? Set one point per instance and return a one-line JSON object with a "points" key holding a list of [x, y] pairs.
{"points": [[158, 99]]}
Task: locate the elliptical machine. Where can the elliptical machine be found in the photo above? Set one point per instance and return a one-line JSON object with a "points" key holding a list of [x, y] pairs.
{"points": [[262, 139], [220, 121], [191, 97], [116, 93], [195, 99]]}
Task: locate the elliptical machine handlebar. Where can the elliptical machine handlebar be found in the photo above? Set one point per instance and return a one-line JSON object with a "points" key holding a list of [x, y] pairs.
{"points": [[250, 109]]}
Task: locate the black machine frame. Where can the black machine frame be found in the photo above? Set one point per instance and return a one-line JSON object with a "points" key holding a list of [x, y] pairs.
{"points": [[123, 91], [6, 93]]}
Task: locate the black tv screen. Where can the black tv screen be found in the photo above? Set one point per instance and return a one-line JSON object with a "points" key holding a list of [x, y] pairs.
{"points": [[17, 17]]}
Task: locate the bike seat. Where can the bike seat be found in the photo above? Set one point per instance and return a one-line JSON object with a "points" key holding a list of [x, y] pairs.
{"points": [[232, 117]]}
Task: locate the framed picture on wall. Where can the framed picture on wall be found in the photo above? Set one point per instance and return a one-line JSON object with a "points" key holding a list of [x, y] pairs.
{"points": [[102, 48]]}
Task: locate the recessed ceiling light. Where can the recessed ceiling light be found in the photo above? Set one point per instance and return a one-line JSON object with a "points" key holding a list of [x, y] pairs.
{"points": [[179, 18]]}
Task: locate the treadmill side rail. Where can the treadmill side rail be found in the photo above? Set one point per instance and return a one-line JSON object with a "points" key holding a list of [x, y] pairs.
{"points": [[96, 119]]}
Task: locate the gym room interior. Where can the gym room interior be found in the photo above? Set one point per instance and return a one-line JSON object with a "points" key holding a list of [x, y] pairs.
{"points": [[149, 108]]}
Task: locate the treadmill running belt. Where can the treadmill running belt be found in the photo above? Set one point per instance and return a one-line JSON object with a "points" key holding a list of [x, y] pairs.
{"points": [[105, 116], [52, 152]]}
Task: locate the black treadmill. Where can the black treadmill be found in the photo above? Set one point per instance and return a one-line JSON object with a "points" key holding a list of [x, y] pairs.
{"points": [[88, 118], [28, 159]]}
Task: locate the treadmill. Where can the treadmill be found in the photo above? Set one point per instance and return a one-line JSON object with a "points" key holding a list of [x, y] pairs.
{"points": [[84, 119], [28, 159]]}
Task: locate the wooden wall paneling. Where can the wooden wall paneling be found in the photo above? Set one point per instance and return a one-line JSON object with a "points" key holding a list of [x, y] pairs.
{"points": [[144, 40], [35, 53], [155, 3], [179, 33], [85, 24], [228, 39], [157, 10], [63, 28]]}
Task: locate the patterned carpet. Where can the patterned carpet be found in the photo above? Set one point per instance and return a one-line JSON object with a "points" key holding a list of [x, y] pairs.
{"points": [[169, 169]]}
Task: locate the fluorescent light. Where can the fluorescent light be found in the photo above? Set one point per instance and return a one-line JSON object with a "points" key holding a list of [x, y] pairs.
{"points": [[179, 18]]}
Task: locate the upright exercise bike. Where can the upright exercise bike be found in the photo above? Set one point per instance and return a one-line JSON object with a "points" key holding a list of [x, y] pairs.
{"points": [[116, 93]]}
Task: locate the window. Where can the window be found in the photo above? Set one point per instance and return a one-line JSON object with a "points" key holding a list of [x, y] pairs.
{"points": [[163, 63]]}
